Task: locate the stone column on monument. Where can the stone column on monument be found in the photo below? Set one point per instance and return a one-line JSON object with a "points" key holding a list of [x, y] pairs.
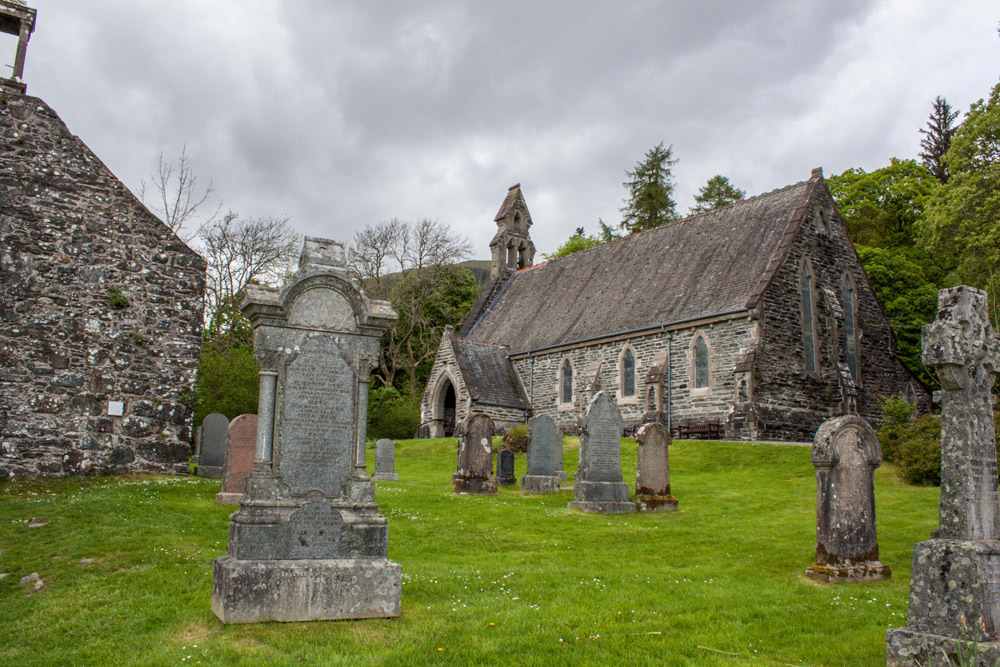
{"points": [[957, 572]]}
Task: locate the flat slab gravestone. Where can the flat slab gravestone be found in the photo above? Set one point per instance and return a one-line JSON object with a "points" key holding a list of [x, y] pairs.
{"points": [[545, 442], [240, 449], [505, 467], [957, 572], [846, 453], [475, 456], [652, 471], [385, 461], [308, 542], [214, 433], [598, 486]]}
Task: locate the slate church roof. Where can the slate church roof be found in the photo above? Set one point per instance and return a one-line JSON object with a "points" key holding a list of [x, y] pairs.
{"points": [[707, 264], [489, 375]]}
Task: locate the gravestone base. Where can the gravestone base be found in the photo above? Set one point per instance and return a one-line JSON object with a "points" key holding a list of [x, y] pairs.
{"points": [[540, 484], [507, 481], [950, 579], [224, 498], [486, 486], [848, 572], [562, 475], [210, 472], [909, 648], [305, 590], [602, 497], [651, 502], [386, 477]]}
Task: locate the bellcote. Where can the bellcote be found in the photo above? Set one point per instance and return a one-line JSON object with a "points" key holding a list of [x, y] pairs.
{"points": [[16, 18], [511, 247]]}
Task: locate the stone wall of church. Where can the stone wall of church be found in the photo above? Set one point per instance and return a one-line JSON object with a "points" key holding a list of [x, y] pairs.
{"points": [[101, 305], [790, 403], [725, 340]]}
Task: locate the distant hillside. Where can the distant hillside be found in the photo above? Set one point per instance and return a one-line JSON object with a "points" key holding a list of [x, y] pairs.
{"points": [[480, 269]]}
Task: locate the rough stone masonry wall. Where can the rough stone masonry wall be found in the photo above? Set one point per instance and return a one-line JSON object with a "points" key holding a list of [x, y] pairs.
{"points": [[70, 232], [445, 364], [790, 404], [724, 339]]}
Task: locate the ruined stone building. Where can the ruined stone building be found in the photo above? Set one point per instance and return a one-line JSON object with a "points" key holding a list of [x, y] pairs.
{"points": [[101, 305], [758, 314]]}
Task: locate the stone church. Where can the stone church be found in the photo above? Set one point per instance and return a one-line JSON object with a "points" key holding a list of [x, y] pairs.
{"points": [[101, 306], [758, 315]]}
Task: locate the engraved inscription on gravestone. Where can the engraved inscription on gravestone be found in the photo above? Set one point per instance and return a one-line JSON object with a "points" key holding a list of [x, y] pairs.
{"points": [[319, 405]]}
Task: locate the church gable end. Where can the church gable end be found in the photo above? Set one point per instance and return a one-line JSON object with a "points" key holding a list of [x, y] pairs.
{"points": [[100, 314], [812, 341]]}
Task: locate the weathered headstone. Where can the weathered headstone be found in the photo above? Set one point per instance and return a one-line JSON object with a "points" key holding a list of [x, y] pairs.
{"points": [[475, 456], [845, 454], [214, 432], [598, 486], [308, 542], [385, 461], [240, 449], [505, 467], [196, 457], [560, 466], [544, 447], [957, 572], [652, 472]]}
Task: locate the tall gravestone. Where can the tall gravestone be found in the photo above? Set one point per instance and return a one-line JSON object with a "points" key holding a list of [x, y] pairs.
{"points": [[560, 466], [214, 432], [845, 454], [308, 542], [957, 572], [505, 467], [240, 448], [385, 461], [544, 443], [475, 456], [652, 471], [598, 486]]}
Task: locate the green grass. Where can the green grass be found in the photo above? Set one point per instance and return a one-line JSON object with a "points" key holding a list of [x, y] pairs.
{"points": [[502, 580]]}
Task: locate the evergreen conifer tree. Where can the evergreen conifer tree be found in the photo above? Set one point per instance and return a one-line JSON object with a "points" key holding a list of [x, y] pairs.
{"points": [[937, 138], [649, 203]]}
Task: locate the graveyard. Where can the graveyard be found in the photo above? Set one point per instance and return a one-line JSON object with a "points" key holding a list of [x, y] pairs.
{"points": [[126, 571]]}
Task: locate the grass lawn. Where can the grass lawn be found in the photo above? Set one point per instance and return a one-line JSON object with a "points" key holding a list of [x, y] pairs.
{"points": [[503, 580]]}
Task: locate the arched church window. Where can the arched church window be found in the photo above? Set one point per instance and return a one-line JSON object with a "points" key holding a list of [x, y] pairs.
{"points": [[628, 373], [851, 327], [701, 374], [566, 382], [808, 318]]}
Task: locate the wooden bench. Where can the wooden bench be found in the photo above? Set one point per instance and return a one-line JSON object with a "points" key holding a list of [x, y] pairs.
{"points": [[703, 429]]}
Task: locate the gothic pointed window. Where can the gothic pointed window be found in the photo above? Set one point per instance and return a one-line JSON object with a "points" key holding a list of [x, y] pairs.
{"points": [[850, 328], [808, 319], [701, 363], [628, 373], [566, 382]]}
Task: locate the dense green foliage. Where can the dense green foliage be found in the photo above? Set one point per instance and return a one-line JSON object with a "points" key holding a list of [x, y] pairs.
{"points": [[391, 415], [581, 241], [227, 381], [649, 203], [718, 191], [509, 579], [963, 222]]}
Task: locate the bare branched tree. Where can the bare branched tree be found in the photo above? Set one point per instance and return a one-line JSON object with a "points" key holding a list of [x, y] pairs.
{"points": [[174, 195], [422, 254], [242, 252]]}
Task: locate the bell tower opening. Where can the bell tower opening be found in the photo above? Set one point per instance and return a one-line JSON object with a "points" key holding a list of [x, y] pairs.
{"points": [[18, 20]]}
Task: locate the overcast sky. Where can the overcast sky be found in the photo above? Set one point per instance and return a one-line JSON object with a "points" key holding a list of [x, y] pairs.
{"points": [[341, 114]]}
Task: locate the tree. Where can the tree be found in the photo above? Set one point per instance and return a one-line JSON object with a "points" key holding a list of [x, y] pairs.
{"points": [[242, 252], [581, 241], [908, 298], [174, 195], [881, 207], [649, 203], [937, 138], [412, 265], [963, 222], [717, 192]]}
